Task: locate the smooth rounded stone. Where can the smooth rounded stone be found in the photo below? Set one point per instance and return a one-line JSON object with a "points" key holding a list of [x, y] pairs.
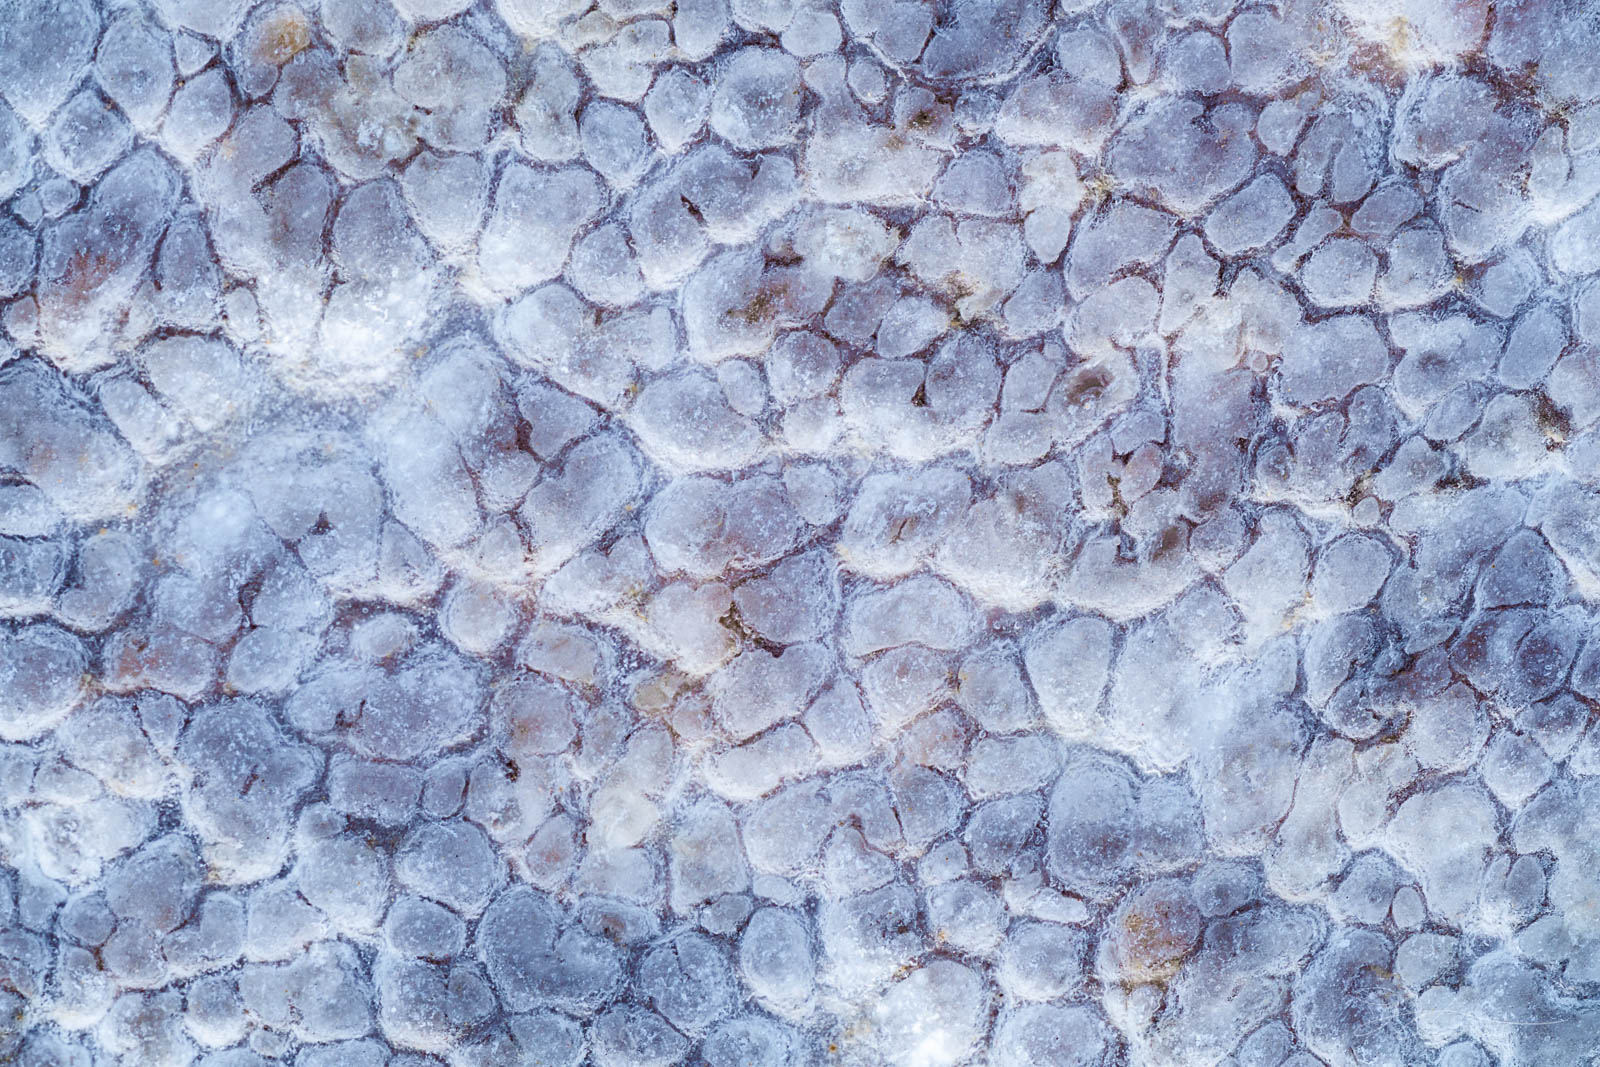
{"points": [[200, 111], [17, 248], [1199, 61], [623, 67], [147, 1025], [603, 268], [614, 142], [1464, 815], [1420, 269], [364, 1053], [87, 919], [1524, 571], [546, 114], [367, 26], [595, 486]]}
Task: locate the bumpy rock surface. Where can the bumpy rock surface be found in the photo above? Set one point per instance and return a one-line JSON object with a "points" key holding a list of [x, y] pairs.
{"points": [[775, 533]]}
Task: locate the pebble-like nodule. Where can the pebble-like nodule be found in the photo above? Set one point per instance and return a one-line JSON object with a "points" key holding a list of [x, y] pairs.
{"points": [[799, 533]]}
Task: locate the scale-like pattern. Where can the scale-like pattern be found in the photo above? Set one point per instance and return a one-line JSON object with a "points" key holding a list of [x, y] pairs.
{"points": [[781, 533]]}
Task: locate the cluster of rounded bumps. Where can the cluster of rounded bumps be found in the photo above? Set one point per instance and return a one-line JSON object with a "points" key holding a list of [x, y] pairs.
{"points": [[780, 533]]}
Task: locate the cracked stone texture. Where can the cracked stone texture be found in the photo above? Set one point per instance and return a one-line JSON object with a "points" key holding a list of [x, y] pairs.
{"points": [[773, 533]]}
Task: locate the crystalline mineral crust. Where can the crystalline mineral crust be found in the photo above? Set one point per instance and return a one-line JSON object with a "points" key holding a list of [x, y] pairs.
{"points": [[799, 533]]}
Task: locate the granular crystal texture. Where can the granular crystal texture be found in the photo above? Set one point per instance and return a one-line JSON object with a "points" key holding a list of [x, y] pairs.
{"points": [[792, 533]]}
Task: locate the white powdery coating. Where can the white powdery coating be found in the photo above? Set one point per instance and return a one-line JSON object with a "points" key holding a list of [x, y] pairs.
{"points": [[773, 533]]}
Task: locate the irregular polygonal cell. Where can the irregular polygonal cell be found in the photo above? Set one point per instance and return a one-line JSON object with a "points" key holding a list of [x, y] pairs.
{"points": [[16, 163], [1184, 155], [755, 101], [134, 66], [705, 527], [531, 960], [457, 81], [451, 862], [247, 776], [688, 981], [535, 217], [1251, 218], [156, 886], [44, 671], [752, 1041], [958, 999], [49, 43], [1326, 360], [1063, 1035], [628, 1036], [343, 877], [1068, 665], [687, 421], [92, 261], [1124, 234], [1339, 274], [1349, 984], [676, 108]]}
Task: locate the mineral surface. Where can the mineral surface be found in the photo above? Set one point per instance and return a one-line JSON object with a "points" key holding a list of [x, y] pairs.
{"points": [[794, 533]]}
